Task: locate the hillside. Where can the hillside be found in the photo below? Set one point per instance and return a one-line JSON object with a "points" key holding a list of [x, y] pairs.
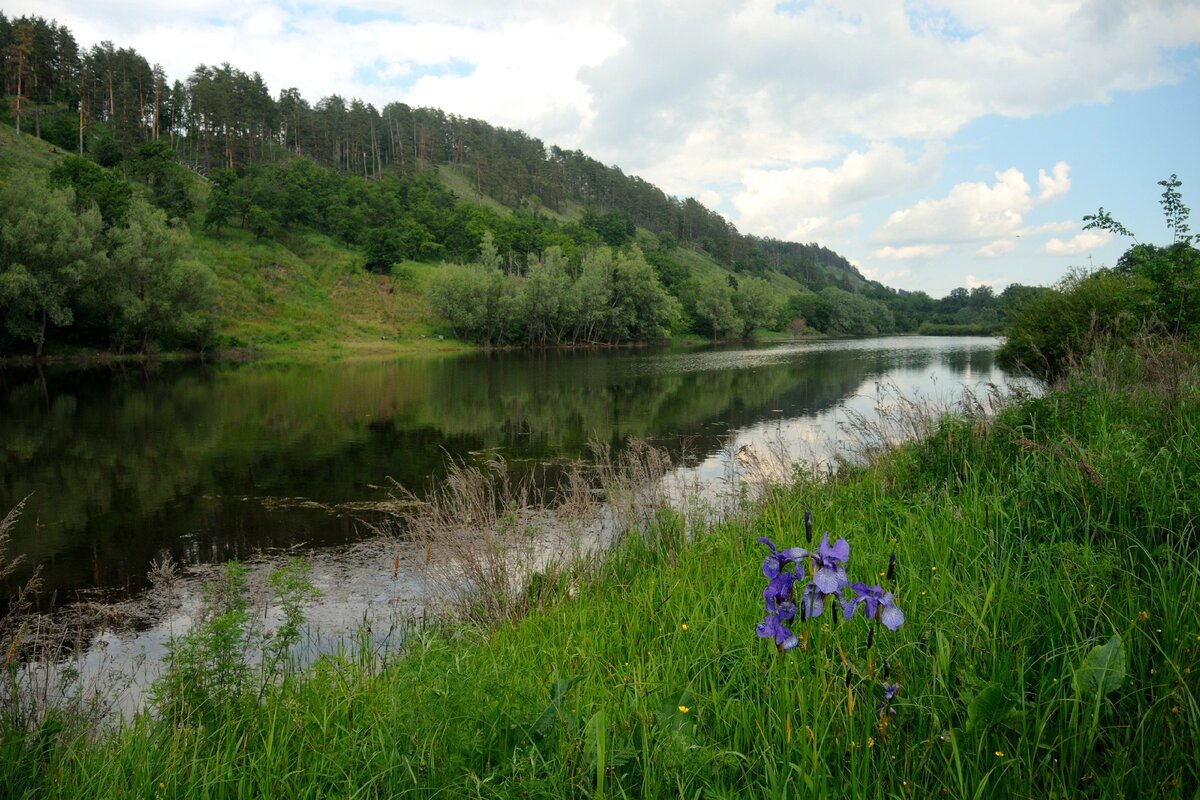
{"points": [[323, 189], [301, 289]]}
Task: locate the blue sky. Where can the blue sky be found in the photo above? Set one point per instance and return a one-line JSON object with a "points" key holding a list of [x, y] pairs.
{"points": [[935, 143]]}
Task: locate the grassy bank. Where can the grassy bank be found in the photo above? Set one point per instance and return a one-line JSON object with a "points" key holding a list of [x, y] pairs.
{"points": [[1046, 564]]}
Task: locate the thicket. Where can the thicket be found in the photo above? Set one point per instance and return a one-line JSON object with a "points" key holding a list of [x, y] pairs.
{"points": [[84, 256], [1152, 290]]}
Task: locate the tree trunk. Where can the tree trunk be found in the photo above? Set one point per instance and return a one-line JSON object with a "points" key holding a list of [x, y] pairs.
{"points": [[41, 337]]}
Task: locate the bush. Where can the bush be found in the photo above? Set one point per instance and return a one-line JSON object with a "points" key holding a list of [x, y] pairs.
{"points": [[1049, 329]]}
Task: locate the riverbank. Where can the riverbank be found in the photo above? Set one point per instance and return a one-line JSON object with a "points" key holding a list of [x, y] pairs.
{"points": [[1045, 563]]}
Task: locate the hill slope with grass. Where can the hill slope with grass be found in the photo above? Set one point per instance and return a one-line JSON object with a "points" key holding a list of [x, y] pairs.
{"points": [[297, 289]]}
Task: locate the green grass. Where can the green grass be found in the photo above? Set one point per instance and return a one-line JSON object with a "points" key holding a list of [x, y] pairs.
{"points": [[25, 152], [306, 292], [1022, 543]]}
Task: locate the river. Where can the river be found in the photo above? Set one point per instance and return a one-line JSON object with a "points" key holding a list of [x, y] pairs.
{"points": [[124, 465]]}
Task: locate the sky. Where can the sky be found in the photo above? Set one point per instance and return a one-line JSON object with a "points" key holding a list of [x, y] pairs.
{"points": [[934, 143]]}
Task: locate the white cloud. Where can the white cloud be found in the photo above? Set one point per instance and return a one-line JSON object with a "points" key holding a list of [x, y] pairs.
{"points": [[773, 198], [975, 283], [970, 212], [912, 251], [1055, 185], [997, 248], [1063, 226], [886, 276], [1088, 240]]}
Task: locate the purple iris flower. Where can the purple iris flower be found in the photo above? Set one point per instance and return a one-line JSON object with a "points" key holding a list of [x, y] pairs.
{"points": [[773, 628], [778, 559], [876, 604], [812, 600], [779, 591], [889, 694], [828, 573]]}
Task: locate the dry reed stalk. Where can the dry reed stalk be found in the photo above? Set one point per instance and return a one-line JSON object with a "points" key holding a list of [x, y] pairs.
{"points": [[494, 545]]}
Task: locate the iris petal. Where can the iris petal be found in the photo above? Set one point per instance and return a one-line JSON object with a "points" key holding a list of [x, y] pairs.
{"points": [[793, 554], [828, 580], [892, 617], [850, 606], [840, 551]]}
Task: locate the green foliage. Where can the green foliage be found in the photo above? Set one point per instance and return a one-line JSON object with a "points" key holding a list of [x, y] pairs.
{"points": [[1103, 669], [1175, 212], [756, 304], [94, 185], [1173, 276], [125, 282], [47, 253], [989, 706], [294, 592], [221, 666], [615, 297], [710, 303], [156, 165], [148, 291], [207, 670], [1152, 288]]}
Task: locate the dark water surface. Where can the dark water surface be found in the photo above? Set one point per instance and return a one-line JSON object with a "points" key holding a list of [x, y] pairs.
{"points": [[123, 465]]}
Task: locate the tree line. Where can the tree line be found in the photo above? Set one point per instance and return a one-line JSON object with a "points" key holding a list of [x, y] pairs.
{"points": [[106, 102]]}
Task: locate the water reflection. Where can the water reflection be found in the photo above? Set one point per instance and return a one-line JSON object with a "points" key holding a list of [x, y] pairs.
{"points": [[207, 463]]}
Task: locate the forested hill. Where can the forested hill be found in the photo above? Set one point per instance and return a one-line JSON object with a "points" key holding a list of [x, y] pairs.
{"points": [[207, 212], [107, 102]]}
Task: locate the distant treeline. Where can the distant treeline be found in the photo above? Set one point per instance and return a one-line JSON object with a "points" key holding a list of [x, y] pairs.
{"points": [[106, 102]]}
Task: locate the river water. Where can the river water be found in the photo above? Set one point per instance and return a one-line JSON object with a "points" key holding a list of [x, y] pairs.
{"points": [[124, 465]]}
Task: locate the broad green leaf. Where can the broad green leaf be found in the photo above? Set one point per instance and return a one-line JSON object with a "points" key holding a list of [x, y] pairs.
{"points": [[1103, 669], [988, 707]]}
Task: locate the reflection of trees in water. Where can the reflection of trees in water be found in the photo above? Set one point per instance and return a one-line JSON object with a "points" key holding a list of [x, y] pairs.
{"points": [[124, 466], [979, 361]]}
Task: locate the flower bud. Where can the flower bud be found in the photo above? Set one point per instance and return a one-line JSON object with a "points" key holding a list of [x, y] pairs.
{"points": [[808, 525]]}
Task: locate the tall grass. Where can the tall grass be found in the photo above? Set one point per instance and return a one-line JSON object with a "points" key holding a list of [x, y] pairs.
{"points": [[1026, 540]]}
